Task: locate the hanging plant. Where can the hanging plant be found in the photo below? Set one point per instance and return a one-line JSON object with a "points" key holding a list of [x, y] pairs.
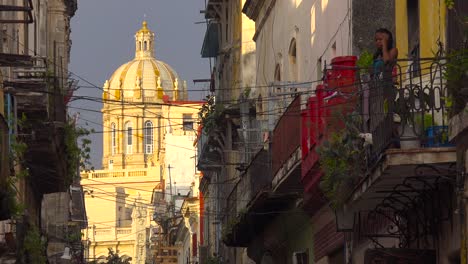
{"points": [[209, 114], [341, 160], [226, 233]]}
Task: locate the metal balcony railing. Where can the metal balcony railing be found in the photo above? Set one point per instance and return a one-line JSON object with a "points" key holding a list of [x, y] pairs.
{"points": [[116, 174], [402, 107], [286, 135], [404, 110]]}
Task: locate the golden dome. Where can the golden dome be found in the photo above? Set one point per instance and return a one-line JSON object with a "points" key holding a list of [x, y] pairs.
{"points": [[144, 76]]}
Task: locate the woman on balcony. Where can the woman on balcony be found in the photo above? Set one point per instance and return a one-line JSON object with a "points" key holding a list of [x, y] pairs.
{"points": [[384, 93], [386, 54]]}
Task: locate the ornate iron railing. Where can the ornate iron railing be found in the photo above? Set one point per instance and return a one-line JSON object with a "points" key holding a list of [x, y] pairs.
{"points": [[401, 109]]}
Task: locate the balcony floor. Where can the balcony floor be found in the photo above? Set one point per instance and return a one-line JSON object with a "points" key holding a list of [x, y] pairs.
{"points": [[422, 166]]}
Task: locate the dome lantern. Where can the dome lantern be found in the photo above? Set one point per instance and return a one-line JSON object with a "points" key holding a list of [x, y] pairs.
{"points": [[144, 42], [144, 79]]}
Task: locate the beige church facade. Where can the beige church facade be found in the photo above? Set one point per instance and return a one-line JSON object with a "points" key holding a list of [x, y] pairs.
{"points": [[148, 154]]}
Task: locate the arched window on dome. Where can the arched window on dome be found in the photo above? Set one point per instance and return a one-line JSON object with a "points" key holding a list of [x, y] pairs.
{"points": [[146, 45], [139, 45], [148, 137], [113, 139], [128, 138]]}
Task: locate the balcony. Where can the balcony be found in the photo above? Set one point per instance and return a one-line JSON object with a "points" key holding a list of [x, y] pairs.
{"points": [[25, 17], [404, 140], [166, 254], [39, 97], [212, 142], [286, 147], [100, 174], [102, 234], [252, 195], [271, 180]]}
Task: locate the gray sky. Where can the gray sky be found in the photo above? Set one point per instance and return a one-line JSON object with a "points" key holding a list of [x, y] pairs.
{"points": [[103, 39]]}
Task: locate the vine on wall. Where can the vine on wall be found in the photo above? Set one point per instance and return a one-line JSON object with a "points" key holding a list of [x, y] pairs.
{"points": [[78, 151], [34, 247]]}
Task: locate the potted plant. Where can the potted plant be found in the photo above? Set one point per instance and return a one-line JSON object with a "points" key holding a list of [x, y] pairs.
{"points": [[411, 119]]}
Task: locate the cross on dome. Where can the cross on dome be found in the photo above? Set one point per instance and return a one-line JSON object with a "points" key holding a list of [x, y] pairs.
{"points": [[144, 42]]}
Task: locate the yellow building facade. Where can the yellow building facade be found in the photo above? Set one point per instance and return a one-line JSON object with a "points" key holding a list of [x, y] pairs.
{"points": [[420, 28], [149, 129]]}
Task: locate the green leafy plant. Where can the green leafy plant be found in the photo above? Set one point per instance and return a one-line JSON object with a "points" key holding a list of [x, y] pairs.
{"points": [[365, 61], [231, 224], [78, 152], [341, 160], [113, 258], [247, 92], [213, 260], [10, 203], [425, 120], [34, 247], [450, 4], [209, 114], [74, 237], [456, 74]]}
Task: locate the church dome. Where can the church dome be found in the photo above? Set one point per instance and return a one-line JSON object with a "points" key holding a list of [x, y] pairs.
{"points": [[144, 76]]}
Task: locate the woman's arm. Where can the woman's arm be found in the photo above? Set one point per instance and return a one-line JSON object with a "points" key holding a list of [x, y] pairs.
{"points": [[388, 55]]}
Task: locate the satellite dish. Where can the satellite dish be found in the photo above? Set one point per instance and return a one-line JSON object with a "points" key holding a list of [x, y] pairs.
{"points": [[66, 253]]}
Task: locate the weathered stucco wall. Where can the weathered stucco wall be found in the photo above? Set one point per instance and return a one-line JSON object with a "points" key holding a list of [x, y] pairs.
{"points": [[368, 16]]}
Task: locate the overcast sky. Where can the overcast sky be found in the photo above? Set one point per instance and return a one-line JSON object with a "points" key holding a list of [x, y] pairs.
{"points": [[103, 39]]}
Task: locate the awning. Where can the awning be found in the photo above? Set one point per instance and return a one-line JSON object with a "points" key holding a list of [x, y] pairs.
{"points": [[210, 46]]}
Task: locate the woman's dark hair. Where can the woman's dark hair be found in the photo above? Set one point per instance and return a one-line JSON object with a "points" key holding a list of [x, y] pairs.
{"points": [[390, 41]]}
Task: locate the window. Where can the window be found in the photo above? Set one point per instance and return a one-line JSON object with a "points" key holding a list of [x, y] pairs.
{"points": [[146, 45], [260, 105], [333, 49], [278, 102], [128, 138], [412, 7], [319, 69], [293, 60], [187, 122], [148, 137], [277, 73], [113, 139]]}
